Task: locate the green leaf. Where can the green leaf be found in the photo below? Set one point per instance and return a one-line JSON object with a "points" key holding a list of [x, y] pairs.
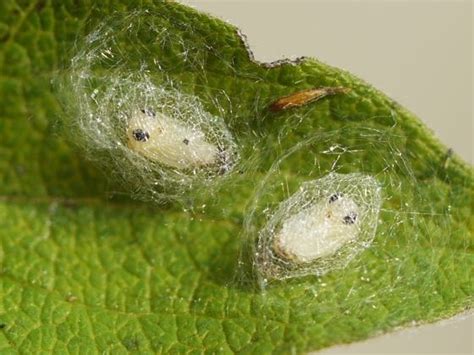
{"points": [[83, 272]]}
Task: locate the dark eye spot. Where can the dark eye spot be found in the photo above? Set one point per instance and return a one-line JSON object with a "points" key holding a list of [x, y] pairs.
{"points": [[335, 197], [148, 112], [350, 218], [140, 135], [186, 141]]}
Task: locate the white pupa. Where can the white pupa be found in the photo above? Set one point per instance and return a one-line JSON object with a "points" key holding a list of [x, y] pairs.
{"points": [[319, 230], [170, 142], [322, 226]]}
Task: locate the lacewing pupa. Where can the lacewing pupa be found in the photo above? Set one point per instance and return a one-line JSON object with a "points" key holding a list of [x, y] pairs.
{"points": [[319, 230], [170, 142]]}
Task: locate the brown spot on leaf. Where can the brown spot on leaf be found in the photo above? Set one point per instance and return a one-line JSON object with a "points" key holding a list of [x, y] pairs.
{"points": [[71, 298], [40, 5], [304, 97]]}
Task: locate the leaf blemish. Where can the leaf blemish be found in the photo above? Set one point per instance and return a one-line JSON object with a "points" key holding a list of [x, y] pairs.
{"points": [[71, 298]]}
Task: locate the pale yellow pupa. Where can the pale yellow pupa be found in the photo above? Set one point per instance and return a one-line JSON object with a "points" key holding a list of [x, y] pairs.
{"points": [[171, 142], [323, 225], [318, 231]]}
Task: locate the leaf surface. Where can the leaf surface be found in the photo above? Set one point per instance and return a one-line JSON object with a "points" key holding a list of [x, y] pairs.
{"points": [[83, 272]]}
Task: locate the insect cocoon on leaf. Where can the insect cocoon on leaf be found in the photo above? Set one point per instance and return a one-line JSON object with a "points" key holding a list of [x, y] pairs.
{"points": [[319, 230], [158, 141], [167, 141], [320, 227]]}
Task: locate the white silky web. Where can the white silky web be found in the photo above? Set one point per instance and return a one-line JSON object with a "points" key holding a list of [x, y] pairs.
{"points": [[138, 125], [367, 169]]}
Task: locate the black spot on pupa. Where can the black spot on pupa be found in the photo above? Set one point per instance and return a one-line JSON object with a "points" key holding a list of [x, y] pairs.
{"points": [[335, 197], [350, 218], [140, 135], [186, 141]]}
